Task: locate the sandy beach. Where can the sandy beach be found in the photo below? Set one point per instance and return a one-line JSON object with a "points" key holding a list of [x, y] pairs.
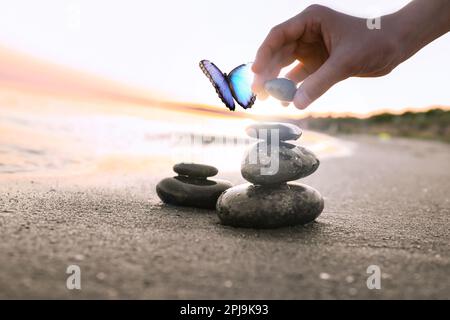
{"points": [[387, 204]]}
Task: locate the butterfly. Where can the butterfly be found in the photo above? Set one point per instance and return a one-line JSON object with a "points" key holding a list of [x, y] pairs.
{"points": [[237, 84]]}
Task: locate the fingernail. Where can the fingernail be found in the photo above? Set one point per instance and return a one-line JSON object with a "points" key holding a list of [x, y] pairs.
{"points": [[301, 99]]}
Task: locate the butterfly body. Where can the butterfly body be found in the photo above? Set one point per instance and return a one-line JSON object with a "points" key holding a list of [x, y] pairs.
{"points": [[233, 86]]}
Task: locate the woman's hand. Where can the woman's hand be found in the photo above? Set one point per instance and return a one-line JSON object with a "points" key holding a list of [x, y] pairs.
{"points": [[330, 46]]}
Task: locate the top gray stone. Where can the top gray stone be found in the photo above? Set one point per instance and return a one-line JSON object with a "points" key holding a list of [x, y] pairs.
{"points": [[195, 170], [263, 130], [281, 89]]}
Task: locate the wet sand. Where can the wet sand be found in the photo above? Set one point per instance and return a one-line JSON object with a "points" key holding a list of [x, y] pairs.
{"points": [[387, 204]]}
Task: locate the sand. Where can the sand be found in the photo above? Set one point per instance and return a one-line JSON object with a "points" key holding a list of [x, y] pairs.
{"points": [[387, 205]]}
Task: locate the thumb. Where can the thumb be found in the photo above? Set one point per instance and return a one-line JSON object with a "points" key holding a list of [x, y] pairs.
{"points": [[315, 85]]}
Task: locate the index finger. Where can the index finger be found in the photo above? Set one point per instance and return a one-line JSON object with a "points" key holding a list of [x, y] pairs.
{"points": [[278, 36]]}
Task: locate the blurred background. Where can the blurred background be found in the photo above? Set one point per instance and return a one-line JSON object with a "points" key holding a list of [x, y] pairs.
{"points": [[100, 85]]}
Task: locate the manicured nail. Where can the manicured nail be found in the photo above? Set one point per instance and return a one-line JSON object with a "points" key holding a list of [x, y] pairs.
{"points": [[301, 99]]}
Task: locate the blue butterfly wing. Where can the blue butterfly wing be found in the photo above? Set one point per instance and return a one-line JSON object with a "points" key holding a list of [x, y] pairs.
{"points": [[219, 81], [240, 80]]}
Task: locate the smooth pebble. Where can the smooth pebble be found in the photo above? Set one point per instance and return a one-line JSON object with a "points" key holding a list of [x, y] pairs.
{"points": [[192, 192], [251, 206], [265, 163], [195, 170], [263, 131], [281, 88]]}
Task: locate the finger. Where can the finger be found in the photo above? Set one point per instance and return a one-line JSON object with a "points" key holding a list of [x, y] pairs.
{"points": [[283, 58], [318, 83], [298, 73], [285, 104], [286, 32], [262, 59], [258, 86]]}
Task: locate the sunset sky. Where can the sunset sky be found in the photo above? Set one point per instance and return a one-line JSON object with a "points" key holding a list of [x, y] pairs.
{"points": [[156, 45]]}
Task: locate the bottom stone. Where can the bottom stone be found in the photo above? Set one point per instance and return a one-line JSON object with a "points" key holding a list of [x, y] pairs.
{"points": [[251, 206]]}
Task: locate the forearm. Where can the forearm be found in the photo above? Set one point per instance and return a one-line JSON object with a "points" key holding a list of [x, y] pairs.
{"points": [[421, 22]]}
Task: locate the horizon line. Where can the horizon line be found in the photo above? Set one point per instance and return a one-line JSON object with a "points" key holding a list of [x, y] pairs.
{"points": [[37, 76]]}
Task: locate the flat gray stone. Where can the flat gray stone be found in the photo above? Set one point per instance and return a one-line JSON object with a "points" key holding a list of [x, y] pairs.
{"points": [[281, 88], [195, 170], [251, 206], [263, 130], [191, 192], [294, 162]]}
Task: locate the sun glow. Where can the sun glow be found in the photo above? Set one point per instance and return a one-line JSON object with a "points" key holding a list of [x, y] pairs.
{"points": [[156, 45]]}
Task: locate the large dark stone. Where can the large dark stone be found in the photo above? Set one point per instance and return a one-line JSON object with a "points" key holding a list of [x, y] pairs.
{"points": [[195, 170], [286, 131], [192, 192], [294, 162], [284, 205]]}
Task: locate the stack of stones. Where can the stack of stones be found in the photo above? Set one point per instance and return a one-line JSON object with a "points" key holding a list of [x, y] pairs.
{"points": [[271, 200], [191, 187]]}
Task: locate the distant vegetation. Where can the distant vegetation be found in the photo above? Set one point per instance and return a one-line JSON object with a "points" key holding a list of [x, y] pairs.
{"points": [[432, 124]]}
